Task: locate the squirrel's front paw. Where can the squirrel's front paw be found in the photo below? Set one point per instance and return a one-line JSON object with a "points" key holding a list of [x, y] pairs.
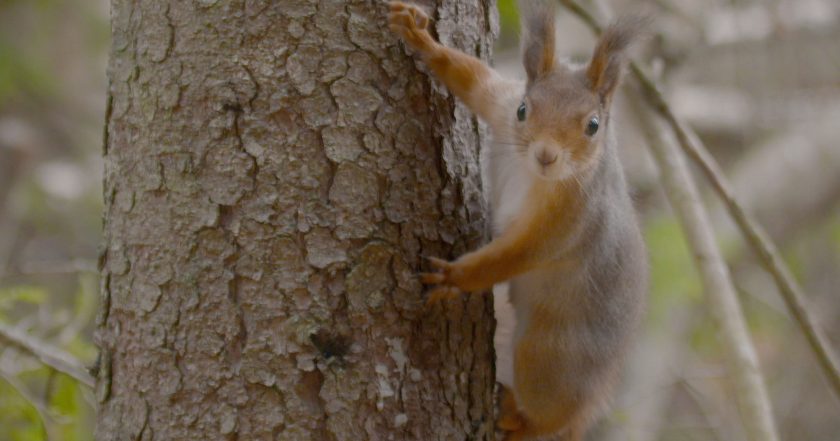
{"points": [[409, 22], [446, 288]]}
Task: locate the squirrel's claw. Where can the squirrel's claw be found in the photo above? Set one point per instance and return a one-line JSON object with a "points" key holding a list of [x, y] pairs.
{"points": [[400, 10], [445, 289], [432, 278], [442, 293], [409, 22], [439, 263], [442, 276]]}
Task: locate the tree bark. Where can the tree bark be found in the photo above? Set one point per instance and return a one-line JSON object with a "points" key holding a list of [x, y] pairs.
{"points": [[273, 171]]}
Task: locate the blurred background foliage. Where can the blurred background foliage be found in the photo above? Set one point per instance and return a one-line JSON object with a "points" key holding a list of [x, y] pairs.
{"points": [[758, 80], [52, 96]]}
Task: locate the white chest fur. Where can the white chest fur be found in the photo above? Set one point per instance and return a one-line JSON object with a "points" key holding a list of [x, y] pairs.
{"points": [[508, 184]]}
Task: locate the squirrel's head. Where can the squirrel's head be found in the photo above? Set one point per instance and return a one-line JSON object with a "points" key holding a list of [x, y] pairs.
{"points": [[563, 116]]}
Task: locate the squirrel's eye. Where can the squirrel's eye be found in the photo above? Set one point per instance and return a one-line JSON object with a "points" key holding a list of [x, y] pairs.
{"points": [[520, 112], [592, 126]]}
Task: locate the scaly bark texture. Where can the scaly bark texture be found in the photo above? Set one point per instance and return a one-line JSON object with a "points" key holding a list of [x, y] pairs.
{"points": [[273, 171]]}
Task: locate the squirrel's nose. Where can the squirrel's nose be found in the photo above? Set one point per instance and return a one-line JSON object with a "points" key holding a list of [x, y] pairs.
{"points": [[544, 158]]}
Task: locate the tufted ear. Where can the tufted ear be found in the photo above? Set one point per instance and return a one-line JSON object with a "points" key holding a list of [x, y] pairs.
{"points": [[538, 37], [608, 60]]}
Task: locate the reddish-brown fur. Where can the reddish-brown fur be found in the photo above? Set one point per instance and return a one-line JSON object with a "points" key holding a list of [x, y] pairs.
{"points": [[575, 225]]}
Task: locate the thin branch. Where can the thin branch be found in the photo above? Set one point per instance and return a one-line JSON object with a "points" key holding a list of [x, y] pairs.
{"points": [[755, 235], [46, 354], [651, 375], [75, 266], [705, 408], [40, 407], [719, 290], [718, 286]]}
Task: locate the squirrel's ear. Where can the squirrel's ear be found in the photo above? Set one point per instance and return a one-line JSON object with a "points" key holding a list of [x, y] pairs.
{"points": [[605, 69], [538, 37]]}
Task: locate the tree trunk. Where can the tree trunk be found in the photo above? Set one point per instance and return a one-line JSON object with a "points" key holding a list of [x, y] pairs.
{"points": [[273, 172]]}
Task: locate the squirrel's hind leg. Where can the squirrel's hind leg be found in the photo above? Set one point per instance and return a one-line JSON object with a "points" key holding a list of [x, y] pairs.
{"points": [[519, 427], [509, 417], [529, 432]]}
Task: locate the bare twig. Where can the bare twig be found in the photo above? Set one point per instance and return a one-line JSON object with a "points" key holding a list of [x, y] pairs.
{"points": [[756, 237], [706, 409], [39, 406], [74, 266], [758, 240], [768, 178], [718, 287], [50, 356], [651, 375]]}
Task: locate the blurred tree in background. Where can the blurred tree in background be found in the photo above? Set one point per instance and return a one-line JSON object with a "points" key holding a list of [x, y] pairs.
{"points": [[758, 80]]}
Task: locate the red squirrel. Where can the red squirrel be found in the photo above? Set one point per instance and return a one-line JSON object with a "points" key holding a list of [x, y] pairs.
{"points": [[566, 236]]}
